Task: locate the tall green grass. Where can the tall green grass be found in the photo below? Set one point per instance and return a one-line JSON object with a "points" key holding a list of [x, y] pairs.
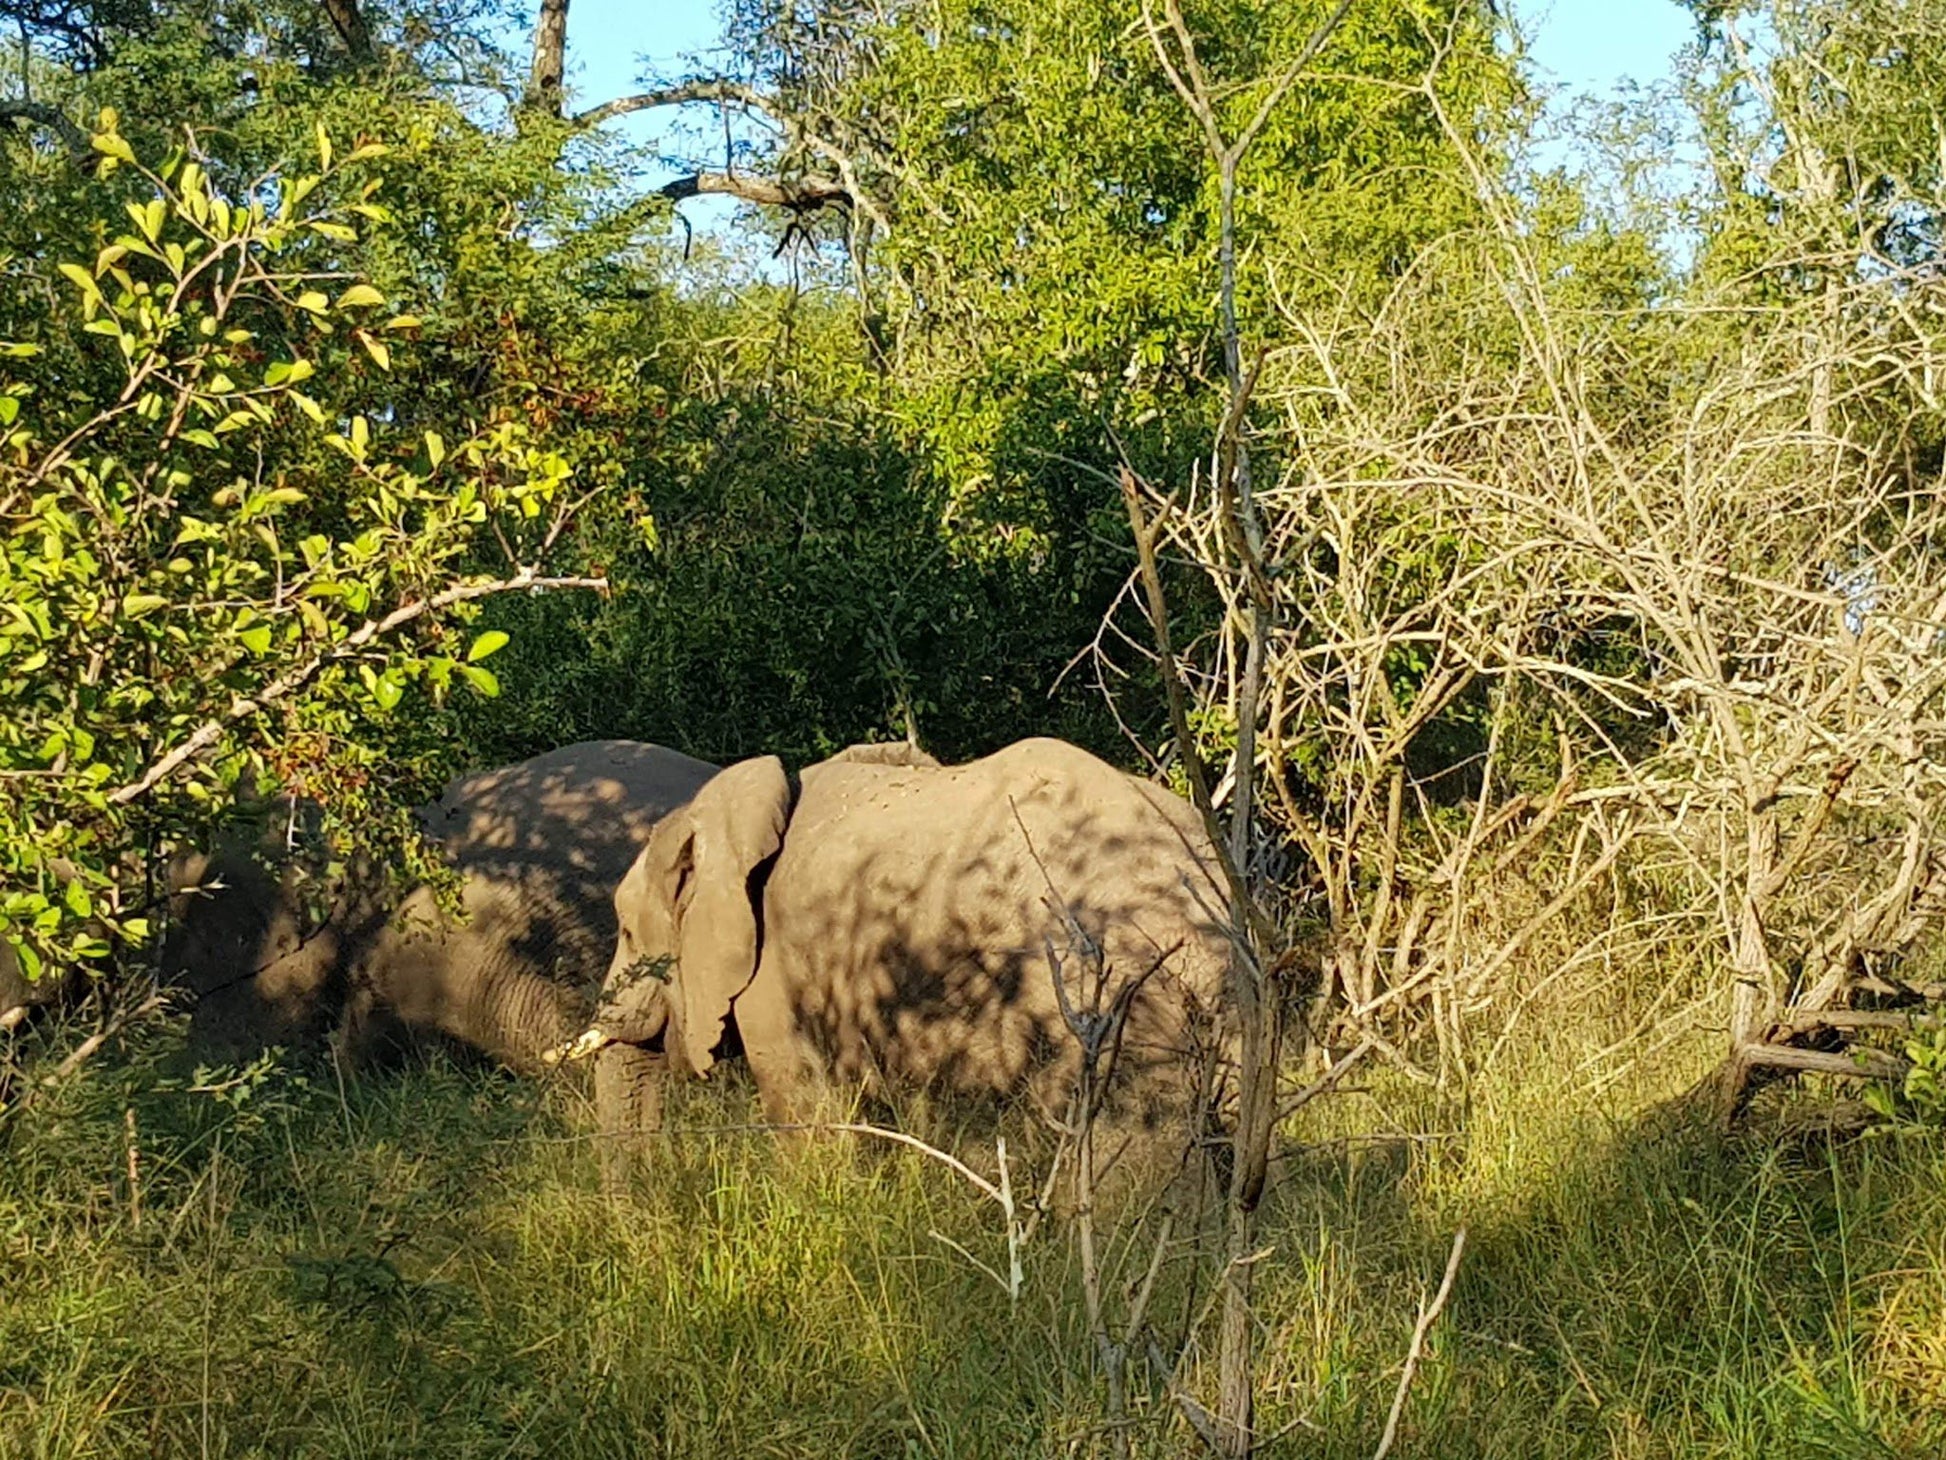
{"points": [[425, 1264]]}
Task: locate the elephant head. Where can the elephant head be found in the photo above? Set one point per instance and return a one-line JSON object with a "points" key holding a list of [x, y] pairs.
{"points": [[686, 904]]}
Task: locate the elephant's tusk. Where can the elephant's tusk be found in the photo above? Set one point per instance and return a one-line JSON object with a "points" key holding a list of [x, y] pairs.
{"points": [[580, 1047], [16, 1015]]}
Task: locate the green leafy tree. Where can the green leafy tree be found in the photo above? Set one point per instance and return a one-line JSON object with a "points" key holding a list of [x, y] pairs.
{"points": [[212, 585]]}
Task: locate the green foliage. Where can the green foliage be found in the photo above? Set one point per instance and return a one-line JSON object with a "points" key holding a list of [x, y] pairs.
{"points": [[850, 528], [799, 585], [211, 585], [1921, 1096]]}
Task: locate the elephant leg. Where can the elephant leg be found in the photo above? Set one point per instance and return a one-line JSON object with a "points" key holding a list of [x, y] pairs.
{"points": [[786, 1068], [628, 1108], [359, 1032], [370, 1036]]}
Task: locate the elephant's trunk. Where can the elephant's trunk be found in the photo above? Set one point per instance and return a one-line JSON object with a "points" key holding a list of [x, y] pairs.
{"points": [[519, 1017]]}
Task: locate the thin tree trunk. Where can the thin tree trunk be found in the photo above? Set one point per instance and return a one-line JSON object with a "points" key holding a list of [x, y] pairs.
{"points": [[349, 21], [1255, 1002], [550, 58], [1754, 1003], [1254, 994]]}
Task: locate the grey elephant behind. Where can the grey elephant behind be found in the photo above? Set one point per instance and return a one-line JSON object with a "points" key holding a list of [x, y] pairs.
{"points": [[274, 955], [896, 925]]}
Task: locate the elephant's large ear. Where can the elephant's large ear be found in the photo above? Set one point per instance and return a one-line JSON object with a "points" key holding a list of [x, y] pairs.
{"points": [[736, 823]]}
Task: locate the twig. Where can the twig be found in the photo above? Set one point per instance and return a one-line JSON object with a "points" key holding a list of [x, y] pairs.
{"points": [[1002, 1195], [1194, 770], [85, 1051], [1859, 1064], [1428, 1315], [688, 91], [1200, 1419], [134, 1170], [1328, 1081]]}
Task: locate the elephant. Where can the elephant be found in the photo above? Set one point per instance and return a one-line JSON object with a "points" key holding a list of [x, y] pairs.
{"points": [[272, 958], [892, 924]]}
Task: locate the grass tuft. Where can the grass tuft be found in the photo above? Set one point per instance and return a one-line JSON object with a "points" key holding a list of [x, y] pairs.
{"points": [[425, 1264]]}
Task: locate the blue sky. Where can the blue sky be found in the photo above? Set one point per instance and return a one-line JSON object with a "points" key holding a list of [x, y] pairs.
{"points": [[1587, 46]]}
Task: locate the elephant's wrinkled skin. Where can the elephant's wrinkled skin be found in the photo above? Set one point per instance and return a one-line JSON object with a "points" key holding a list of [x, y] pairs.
{"points": [[899, 926], [539, 847]]}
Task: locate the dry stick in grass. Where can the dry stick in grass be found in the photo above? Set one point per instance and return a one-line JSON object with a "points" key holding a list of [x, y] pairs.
{"points": [[1255, 997], [1256, 1007], [84, 1051], [1328, 1081], [1428, 1315], [134, 1170], [1098, 1035], [1199, 1419], [1001, 1193], [209, 1290]]}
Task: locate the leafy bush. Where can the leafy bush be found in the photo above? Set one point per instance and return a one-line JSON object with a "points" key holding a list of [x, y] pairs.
{"points": [[217, 580]]}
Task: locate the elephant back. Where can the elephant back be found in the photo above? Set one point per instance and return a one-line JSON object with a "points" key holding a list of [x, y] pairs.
{"points": [[547, 840], [585, 808], [920, 917]]}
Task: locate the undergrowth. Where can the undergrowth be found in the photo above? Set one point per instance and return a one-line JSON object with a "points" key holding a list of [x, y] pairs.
{"points": [[424, 1263]]}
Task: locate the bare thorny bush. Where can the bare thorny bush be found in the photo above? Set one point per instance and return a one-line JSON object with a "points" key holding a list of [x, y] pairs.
{"points": [[1623, 620]]}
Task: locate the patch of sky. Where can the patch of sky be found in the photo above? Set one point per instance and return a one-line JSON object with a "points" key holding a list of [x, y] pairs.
{"points": [[1613, 116]]}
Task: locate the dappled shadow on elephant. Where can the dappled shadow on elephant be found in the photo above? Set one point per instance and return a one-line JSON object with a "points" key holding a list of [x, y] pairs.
{"points": [[896, 928], [272, 951]]}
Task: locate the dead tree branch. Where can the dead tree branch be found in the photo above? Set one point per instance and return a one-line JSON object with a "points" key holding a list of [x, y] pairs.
{"points": [[51, 119], [1428, 1315], [800, 195], [348, 19], [680, 94]]}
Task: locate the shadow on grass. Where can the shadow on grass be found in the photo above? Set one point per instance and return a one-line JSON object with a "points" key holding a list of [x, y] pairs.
{"points": [[1661, 1292], [423, 1264]]}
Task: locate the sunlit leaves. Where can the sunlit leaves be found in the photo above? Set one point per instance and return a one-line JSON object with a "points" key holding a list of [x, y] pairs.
{"points": [[186, 538], [490, 642]]}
